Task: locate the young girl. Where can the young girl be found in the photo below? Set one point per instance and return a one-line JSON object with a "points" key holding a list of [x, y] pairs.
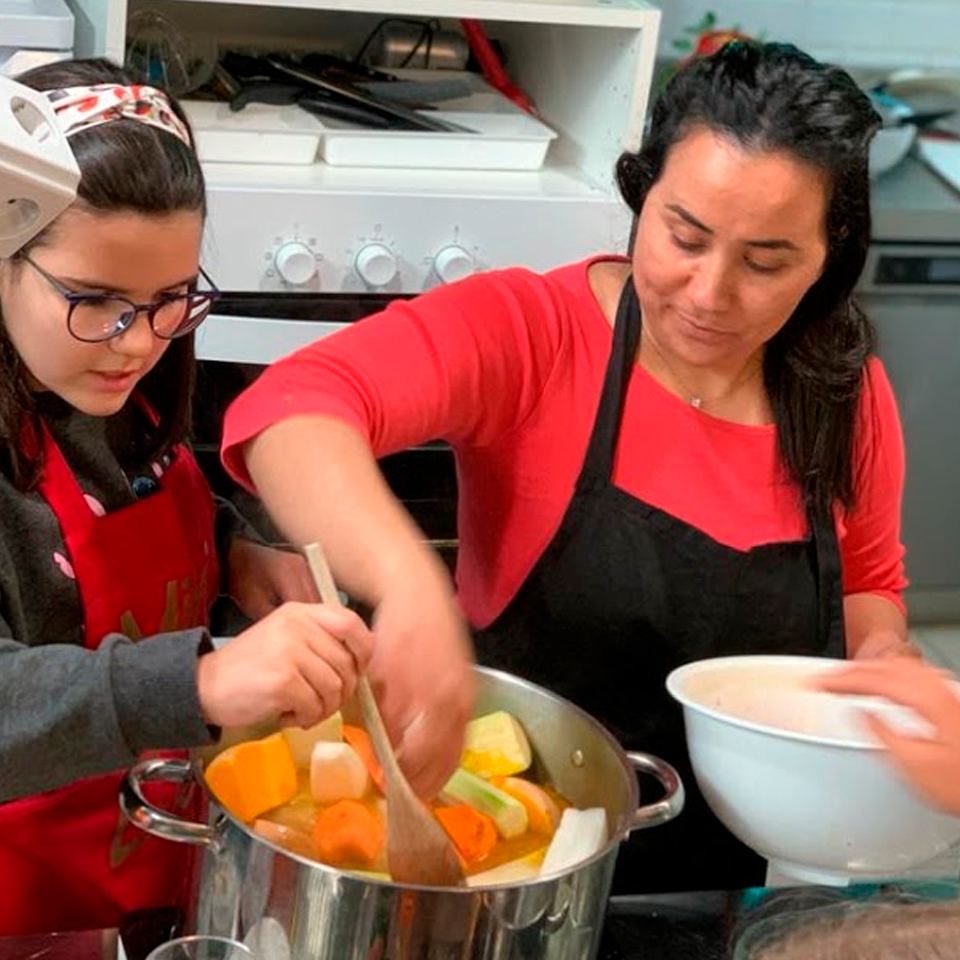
{"points": [[109, 536]]}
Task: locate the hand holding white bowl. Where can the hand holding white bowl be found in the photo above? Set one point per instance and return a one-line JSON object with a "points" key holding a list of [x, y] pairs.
{"points": [[931, 764]]}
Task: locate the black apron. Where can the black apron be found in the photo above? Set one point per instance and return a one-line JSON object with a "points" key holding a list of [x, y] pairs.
{"points": [[623, 594]]}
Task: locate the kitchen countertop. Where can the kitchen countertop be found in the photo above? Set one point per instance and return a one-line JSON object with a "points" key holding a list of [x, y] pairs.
{"points": [[707, 925], [912, 204], [712, 925]]}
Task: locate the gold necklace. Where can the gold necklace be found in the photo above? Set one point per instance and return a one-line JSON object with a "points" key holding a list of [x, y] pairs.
{"points": [[695, 399]]}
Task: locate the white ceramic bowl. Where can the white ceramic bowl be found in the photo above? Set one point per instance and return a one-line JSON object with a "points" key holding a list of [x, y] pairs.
{"points": [[793, 773], [892, 142], [888, 147]]}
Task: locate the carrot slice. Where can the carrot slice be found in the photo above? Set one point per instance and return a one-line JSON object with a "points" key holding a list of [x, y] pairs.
{"points": [[348, 834], [473, 833], [359, 739]]}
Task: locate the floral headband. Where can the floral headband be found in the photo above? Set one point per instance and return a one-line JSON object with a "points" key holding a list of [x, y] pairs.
{"points": [[79, 108]]}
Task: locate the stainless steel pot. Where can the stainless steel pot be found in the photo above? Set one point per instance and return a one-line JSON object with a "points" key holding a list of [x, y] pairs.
{"points": [[288, 908]]}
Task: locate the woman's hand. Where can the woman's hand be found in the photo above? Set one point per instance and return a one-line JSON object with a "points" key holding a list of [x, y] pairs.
{"points": [[422, 675], [930, 764], [260, 578], [299, 663]]}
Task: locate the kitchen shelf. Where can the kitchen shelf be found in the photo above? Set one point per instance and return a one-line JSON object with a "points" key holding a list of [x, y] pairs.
{"points": [[592, 13], [556, 180], [38, 24], [586, 64]]}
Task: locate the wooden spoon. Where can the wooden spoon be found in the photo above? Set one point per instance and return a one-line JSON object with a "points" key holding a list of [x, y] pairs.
{"points": [[418, 848]]}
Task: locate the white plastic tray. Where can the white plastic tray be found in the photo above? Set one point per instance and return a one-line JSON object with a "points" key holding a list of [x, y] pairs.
{"points": [[259, 133], [37, 24], [504, 138]]}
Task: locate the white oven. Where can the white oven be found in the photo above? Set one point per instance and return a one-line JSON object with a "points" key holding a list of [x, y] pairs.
{"points": [[912, 294], [911, 290], [300, 250], [283, 231]]}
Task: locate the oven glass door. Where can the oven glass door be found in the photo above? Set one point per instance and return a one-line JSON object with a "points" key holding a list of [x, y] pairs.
{"points": [[920, 347], [423, 478]]}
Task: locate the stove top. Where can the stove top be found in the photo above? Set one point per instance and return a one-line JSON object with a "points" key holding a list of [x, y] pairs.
{"points": [[710, 925], [911, 204]]}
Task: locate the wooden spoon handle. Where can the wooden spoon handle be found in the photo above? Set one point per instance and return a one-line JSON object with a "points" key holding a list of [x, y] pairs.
{"points": [[327, 588]]}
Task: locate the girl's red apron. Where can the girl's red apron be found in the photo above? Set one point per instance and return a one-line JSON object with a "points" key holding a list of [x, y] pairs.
{"points": [[68, 858]]}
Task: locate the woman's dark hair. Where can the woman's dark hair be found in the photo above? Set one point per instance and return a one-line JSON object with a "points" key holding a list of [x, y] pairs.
{"points": [[773, 97], [125, 166]]}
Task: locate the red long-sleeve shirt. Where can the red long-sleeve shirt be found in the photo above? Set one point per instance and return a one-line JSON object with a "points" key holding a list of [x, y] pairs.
{"points": [[507, 367]]}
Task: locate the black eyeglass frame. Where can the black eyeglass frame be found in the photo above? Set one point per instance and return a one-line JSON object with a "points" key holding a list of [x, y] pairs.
{"points": [[128, 318]]}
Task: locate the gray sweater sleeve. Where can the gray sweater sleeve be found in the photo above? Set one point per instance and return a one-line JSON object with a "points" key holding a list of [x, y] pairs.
{"points": [[67, 712], [70, 712]]}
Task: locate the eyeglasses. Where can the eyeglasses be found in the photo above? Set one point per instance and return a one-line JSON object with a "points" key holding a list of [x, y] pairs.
{"points": [[95, 317]]}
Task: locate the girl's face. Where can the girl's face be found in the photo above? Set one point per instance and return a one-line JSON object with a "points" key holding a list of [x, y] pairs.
{"points": [[127, 254], [728, 243]]}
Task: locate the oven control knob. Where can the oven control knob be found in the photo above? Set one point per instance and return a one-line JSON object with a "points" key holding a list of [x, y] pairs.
{"points": [[453, 263], [295, 262], [376, 263]]}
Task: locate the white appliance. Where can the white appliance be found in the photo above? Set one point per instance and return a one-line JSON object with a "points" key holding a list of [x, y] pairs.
{"points": [[911, 290], [292, 231], [38, 172], [33, 32]]}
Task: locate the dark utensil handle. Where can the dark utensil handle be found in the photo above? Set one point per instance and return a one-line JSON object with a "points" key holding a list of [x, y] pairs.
{"points": [[266, 91], [358, 97], [924, 119], [321, 107]]}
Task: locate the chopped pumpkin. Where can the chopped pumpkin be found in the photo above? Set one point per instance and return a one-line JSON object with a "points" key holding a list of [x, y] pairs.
{"points": [[473, 833], [347, 834], [253, 777], [359, 739]]}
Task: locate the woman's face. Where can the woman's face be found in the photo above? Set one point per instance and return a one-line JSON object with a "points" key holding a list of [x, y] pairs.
{"points": [[727, 244], [127, 254]]}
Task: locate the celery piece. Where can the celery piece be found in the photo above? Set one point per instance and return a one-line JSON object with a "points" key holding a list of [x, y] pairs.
{"points": [[508, 814]]}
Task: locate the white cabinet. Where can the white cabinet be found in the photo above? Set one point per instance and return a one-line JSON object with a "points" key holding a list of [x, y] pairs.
{"points": [[587, 64]]}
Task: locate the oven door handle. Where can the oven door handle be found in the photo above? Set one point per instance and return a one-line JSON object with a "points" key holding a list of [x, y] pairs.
{"points": [[260, 340]]}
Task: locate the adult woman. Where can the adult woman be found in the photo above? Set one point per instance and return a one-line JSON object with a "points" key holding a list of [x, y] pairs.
{"points": [[744, 441], [107, 527]]}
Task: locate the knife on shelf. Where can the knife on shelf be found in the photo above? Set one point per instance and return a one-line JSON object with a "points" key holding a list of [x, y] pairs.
{"points": [[401, 117]]}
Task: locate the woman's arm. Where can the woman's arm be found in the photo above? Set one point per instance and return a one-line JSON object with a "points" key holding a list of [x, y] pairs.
{"points": [[422, 658], [466, 364], [872, 551], [875, 627]]}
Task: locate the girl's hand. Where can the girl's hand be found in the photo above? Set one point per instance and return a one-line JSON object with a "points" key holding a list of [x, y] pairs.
{"points": [[299, 664], [260, 578], [930, 764]]}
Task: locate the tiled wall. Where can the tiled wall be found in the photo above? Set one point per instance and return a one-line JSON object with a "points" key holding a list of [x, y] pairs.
{"points": [[869, 33]]}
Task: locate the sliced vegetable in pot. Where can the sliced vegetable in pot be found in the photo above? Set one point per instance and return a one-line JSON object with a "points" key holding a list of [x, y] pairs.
{"points": [[253, 777], [473, 833], [347, 834], [496, 745], [509, 815], [318, 794]]}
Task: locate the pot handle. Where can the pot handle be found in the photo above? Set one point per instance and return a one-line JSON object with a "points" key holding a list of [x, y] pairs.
{"points": [[159, 823], [653, 814]]}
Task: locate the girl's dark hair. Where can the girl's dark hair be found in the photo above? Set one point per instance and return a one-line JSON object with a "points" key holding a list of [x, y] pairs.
{"points": [[125, 166], [771, 96]]}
